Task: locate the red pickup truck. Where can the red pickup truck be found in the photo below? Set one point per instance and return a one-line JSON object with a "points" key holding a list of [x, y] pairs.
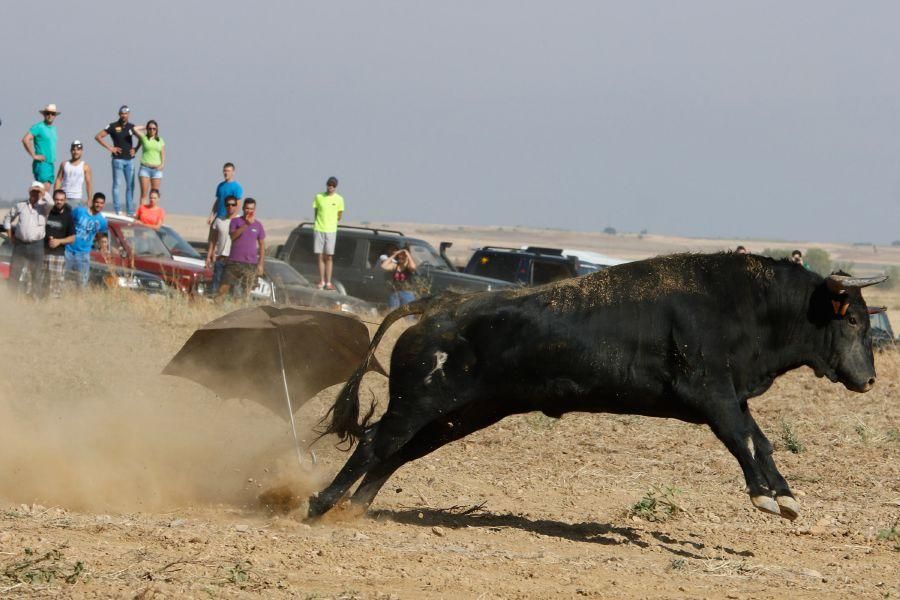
{"points": [[134, 245]]}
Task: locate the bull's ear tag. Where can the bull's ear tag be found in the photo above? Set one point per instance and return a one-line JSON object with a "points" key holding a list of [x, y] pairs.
{"points": [[840, 306]]}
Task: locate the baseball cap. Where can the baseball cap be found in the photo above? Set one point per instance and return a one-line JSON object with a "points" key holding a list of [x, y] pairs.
{"points": [[36, 185], [124, 109], [77, 144]]}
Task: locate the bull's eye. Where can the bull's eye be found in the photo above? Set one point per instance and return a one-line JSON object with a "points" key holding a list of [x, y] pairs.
{"points": [[852, 320]]}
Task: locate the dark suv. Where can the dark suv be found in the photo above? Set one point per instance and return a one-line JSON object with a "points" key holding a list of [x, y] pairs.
{"points": [[525, 266], [356, 265]]}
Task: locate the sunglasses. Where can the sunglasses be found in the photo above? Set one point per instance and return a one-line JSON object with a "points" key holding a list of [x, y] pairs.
{"points": [[151, 129], [78, 147], [231, 204]]}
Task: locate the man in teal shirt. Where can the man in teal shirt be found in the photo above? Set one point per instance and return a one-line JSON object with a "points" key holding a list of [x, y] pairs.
{"points": [[328, 209], [40, 144]]}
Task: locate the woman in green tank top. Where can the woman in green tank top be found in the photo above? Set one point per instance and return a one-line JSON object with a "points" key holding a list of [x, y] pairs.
{"points": [[153, 158]]}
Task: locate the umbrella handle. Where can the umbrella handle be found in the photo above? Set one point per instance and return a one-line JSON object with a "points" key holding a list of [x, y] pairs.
{"points": [[287, 397]]}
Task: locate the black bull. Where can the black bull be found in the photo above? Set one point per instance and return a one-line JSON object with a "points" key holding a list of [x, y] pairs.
{"points": [[689, 337]]}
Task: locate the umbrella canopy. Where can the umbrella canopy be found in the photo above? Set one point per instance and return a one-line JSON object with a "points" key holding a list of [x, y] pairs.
{"points": [[240, 355]]}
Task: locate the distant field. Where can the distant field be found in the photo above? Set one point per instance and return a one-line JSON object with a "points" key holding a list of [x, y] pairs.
{"points": [[866, 260], [624, 245]]}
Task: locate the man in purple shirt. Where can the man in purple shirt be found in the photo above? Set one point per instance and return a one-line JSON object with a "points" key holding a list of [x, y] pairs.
{"points": [[248, 252]]}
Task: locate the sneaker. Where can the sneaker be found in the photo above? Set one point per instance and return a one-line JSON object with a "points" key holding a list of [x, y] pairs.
{"points": [[320, 286], [329, 286]]}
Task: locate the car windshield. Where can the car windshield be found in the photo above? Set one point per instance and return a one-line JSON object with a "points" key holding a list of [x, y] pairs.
{"points": [[144, 242], [176, 244], [284, 274], [507, 266], [425, 255]]}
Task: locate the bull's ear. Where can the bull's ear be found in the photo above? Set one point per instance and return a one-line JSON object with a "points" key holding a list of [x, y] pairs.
{"points": [[841, 283]]}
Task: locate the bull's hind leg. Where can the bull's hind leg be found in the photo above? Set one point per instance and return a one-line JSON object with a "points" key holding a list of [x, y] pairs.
{"points": [[438, 433], [359, 463]]}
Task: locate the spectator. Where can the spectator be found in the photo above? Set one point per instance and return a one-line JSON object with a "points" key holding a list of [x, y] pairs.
{"points": [[60, 232], [226, 188], [797, 258], [151, 214], [122, 151], [153, 158], [740, 250], [40, 144], [88, 223], [248, 251], [75, 175], [102, 245], [219, 244], [402, 269], [27, 235], [328, 208]]}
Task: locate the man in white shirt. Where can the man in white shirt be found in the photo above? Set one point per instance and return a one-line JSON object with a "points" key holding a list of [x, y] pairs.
{"points": [[74, 176], [219, 244], [26, 226]]}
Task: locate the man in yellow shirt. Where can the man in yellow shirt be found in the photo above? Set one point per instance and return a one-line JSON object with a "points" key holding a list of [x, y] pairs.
{"points": [[328, 209]]}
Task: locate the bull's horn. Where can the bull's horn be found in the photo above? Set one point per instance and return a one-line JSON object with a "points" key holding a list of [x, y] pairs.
{"points": [[874, 310], [839, 283]]}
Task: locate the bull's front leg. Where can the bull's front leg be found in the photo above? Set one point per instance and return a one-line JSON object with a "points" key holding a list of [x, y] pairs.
{"points": [[787, 504], [733, 425]]}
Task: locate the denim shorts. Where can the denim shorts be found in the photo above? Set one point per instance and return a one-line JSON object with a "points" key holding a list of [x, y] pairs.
{"points": [[150, 172]]}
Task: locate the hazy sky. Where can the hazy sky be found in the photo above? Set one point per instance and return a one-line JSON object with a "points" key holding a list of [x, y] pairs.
{"points": [[756, 119]]}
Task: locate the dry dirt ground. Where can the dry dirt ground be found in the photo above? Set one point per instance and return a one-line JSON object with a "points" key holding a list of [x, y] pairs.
{"points": [[119, 482]]}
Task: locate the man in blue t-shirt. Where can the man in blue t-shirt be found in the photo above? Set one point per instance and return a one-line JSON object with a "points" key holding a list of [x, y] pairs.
{"points": [[226, 189], [88, 223], [40, 144]]}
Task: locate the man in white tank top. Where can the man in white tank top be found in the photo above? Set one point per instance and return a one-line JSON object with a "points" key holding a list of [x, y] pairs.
{"points": [[74, 176]]}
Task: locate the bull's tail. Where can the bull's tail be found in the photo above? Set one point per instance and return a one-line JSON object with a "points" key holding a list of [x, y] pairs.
{"points": [[344, 412]]}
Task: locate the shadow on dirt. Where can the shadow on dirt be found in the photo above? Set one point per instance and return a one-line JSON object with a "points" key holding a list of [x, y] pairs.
{"points": [[594, 533]]}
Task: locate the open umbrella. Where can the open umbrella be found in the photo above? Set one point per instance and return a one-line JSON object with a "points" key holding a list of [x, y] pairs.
{"points": [[278, 356], [255, 352]]}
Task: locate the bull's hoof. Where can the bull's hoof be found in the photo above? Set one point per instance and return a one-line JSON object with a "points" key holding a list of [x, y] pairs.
{"points": [[766, 504], [790, 508], [317, 507]]}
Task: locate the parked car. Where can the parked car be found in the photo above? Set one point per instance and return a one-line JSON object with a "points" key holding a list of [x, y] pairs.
{"points": [[287, 286], [180, 249], [282, 284], [107, 276], [101, 274], [589, 261], [137, 246], [5, 257], [880, 328], [356, 268], [524, 266]]}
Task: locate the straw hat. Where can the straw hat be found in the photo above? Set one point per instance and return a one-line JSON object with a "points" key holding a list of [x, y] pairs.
{"points": [[50, 108]]}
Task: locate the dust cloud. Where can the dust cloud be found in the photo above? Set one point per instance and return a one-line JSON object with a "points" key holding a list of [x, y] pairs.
{"points": [[88, 423]]}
